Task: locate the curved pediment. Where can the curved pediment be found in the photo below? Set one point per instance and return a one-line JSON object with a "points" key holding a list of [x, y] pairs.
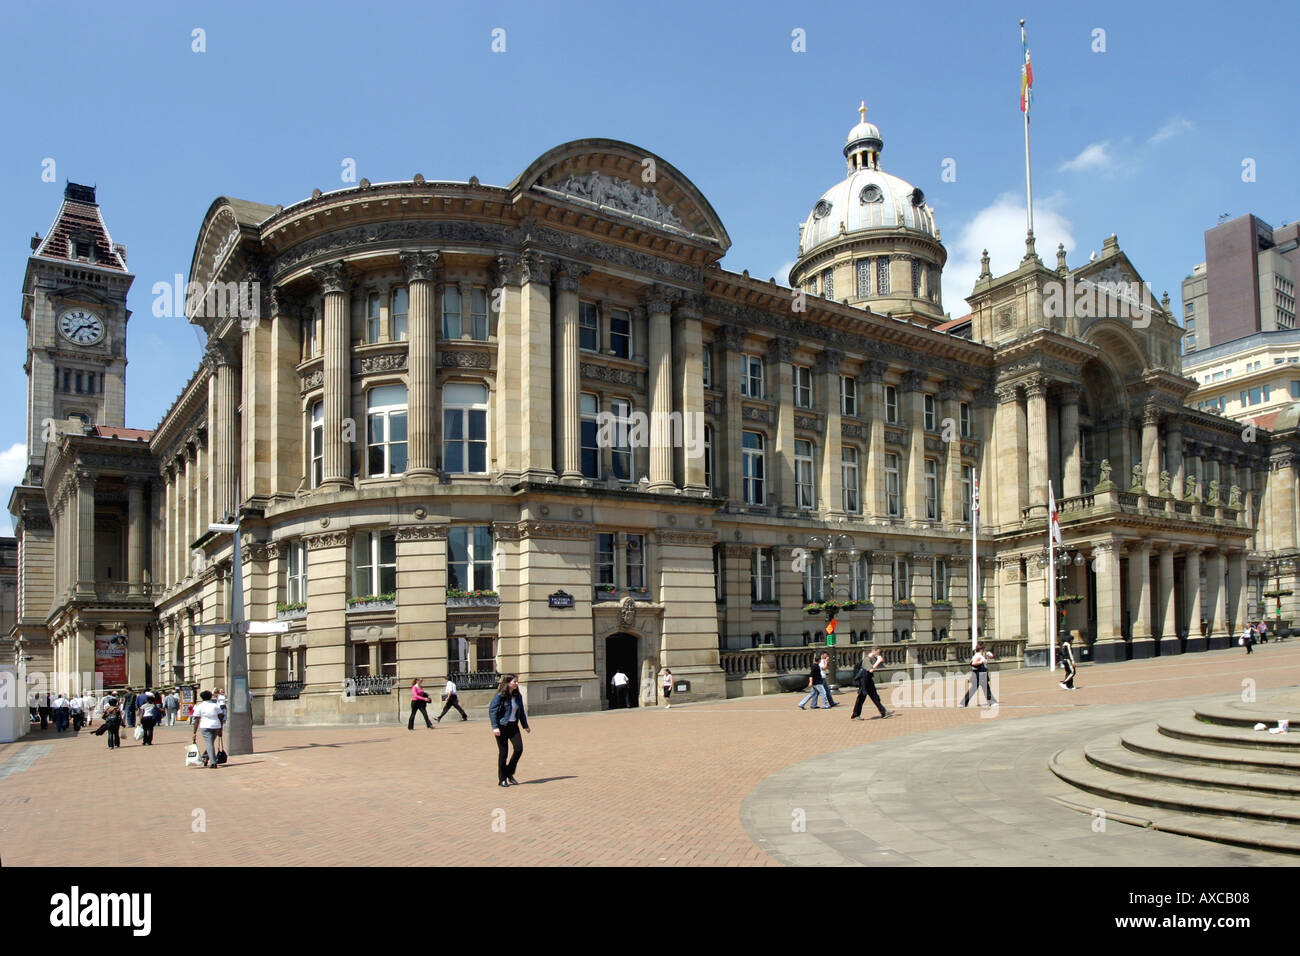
{"points": [[227, 224], [627, 182], [1120, 347]]}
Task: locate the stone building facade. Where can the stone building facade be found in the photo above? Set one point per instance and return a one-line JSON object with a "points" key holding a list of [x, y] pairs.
{"points": [[418, 425]]}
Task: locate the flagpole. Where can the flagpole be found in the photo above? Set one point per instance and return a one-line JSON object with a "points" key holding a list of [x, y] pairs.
{"points": [[975, 566], [1051, 579], [1029, 182]]}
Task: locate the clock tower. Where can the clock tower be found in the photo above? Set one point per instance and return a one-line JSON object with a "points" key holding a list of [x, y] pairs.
{"points": [[74, 304]]}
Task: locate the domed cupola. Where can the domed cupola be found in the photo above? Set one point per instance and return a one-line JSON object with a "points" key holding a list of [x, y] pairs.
{"points": [[871, 239]]}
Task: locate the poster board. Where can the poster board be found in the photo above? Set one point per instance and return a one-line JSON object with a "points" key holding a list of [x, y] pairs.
{"points": [[110, 659], [188, 699]]}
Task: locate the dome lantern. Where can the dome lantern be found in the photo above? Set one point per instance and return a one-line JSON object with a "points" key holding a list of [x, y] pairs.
{"points": [[863, 145]]}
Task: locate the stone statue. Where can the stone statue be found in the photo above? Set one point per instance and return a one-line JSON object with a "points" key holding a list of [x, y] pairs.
{"points": [[1234, 497], [1214, 492], [1165, 479], [627, 611], [1104, 472], [1193, 488], [1137, 484]]}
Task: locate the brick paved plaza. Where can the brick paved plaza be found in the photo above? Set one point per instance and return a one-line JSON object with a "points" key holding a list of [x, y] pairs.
{"points": [[643, 787]]}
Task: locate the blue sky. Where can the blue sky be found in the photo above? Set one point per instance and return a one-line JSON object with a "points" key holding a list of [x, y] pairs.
{"points": [[1145, 139]]}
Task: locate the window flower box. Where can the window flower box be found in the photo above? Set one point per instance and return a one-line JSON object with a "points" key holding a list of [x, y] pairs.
{"points": [[827, 607], [605, 592], [942, 604], [294, 611], [482, 598], [373, 602], [907, 604], [641, 594]]}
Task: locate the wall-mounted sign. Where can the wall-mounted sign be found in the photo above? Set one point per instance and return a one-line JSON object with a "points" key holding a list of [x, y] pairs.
{"points": [[560, 599], [110, 659]]}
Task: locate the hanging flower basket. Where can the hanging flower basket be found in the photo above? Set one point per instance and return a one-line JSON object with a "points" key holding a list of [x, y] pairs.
{"points": [[1285, 592], [1063, 599], [827, 607]]}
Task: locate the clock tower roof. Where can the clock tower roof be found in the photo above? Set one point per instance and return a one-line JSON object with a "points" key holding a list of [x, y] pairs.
{"points": [[79, 233]]}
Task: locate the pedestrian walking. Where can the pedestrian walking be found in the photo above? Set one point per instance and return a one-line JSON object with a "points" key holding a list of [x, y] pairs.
{"points": [[207, 720], [668, 688], [1067, 661], [77, 712], [619, 680], [44, 711], [452, 700], [419, 704], [219, 698], [1247, 639], [112, 726], [151, 716], [506, 715], [171, 704], [89, 707], [60, 708], [979, 675], [866, 684], [827, 674], [816, 683], [128, 707], [1262, 629]]}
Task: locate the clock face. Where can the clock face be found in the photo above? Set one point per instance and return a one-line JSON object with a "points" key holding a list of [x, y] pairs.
{"points": [[81, 327]]}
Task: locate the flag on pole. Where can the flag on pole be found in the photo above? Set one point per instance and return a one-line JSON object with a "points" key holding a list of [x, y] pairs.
{"points": [[1026, 75], [1055, 519], [975, 501]]}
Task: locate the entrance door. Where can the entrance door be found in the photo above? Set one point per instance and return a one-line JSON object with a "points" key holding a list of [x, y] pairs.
{"points": [[621, 657]]}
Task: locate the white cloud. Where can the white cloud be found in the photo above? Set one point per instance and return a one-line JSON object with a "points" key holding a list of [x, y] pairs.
{"points": [[1095, 156], [1000, 228], [13, 462], [782, 273], [1174, 127]]}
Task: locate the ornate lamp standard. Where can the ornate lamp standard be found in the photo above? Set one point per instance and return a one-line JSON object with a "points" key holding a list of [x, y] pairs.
{"points": [[1065, 557], [1274, 565], [833, 547]]}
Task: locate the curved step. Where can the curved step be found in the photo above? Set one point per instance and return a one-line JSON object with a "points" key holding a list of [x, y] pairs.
{"points": [[1111, 755], [1072, 767], [1260, 836], [1189, 728], [1237, 713], [1147, 739]]}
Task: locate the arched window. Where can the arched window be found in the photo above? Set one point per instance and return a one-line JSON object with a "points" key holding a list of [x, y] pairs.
{"points": [[386, 430]]}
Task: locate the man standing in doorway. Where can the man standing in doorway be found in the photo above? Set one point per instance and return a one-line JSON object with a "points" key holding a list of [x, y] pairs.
{"points": [[620, 690]]}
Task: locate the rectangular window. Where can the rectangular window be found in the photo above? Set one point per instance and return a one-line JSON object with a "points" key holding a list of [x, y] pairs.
{"points": [[929, 416], [802, 387], [589, 409], [1256, 395], [902, 580], [939, 582], [360, 660], [916, 277], [451, 324], [848, 396], [478, 314], [751, 376], [464, 428], [317, 444], [882, 275], [849, 478], [860, 579], [372, 317], [761, 584], [588, 327], [487, 655], [964, 409], [387, 658], [864, 278], [706, 365], [804, 496], [605, 559], [967, 491], [892, 508], [719, 575], [398, 313], [306, 329], [814, 578], [753, 460], [891, 404], [374, 563], [931, 489], [708, 456], [295, 575], [386, 430], [636, 561], [620, 333], [1295, 389], [828, 284], [621, 451], [469, 557]]}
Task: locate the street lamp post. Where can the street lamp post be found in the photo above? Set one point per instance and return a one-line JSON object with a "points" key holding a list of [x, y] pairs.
{"points": [[239, 717], [1062, 572], [833, 547]]}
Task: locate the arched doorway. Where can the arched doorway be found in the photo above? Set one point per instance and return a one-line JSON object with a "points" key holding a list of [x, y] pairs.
{"points": [[622, 655]]}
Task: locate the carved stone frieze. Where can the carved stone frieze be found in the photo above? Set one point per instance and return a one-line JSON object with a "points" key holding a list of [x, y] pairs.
{"points": [[422, 532], [737, 551], [391, 362], [615, 376], [712, 406], [560, 530], [696, 538], [618, 194], [752, 413], [506, 531], [808, 423], [463, 358], [313, 378], [327, 539], [849, 430]]}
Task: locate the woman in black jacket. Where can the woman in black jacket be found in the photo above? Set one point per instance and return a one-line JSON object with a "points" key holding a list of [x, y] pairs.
{"points": [[506, 714]]}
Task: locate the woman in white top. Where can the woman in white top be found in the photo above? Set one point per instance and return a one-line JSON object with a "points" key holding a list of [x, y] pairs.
{"points": [[668, 688], [979, 675], [207, 719]]}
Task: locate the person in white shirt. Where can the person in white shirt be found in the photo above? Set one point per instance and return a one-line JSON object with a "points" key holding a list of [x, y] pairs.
{"points": [[979, 676], [78, 711], [88, 703], [60, 707], [621, 698], [171, 704], [207, 720], [449, 695]]}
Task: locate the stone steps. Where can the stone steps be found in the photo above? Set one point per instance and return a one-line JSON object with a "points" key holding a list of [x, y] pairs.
{"points": [[1148, 739], [1113, 756], [1199, 731]]}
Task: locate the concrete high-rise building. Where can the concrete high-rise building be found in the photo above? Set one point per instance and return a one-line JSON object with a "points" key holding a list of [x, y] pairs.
{"points": [[1245, 285]]}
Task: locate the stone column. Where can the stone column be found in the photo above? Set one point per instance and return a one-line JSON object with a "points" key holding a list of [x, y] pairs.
{"points": [[1174, 456], [137, 528], [1237, 594], [912, 397], [688, 373], [1110, 608], [85, 530], [335, 284], [1151, 449], [658, 306], [950, 400], [1036, 395], [1139, 573], [183, 509], [872, 389], [286, 431], [730, 342], [1168, 605], [1216, 594], [567, 281], [1009, 434], [422, 364], [780, 358], [537, 409], [165, 557], [826, 393], [1192, 598], [1071, 471], [223, 430]]}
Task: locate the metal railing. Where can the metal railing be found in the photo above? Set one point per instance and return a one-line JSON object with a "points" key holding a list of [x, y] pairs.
{"points": [[369, 686], [289, 689], [474, 680]]}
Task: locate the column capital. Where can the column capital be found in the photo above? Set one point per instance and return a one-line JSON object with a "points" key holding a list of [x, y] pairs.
{"points": [[1006, 394], [535, 267], [829, 360], [219, 354], [914, 380], [284, 302], [873, 371], [1037, 386], [659, 298], [950, 390], [333, 277], [1151, 414], [420, 266], [729, 337], [1174, 421], [781, 349], [568, 276], [691, 306], [85, 476]]}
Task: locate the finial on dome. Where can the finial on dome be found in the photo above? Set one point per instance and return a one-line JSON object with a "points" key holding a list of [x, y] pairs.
{"points": [[862, 112]]}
